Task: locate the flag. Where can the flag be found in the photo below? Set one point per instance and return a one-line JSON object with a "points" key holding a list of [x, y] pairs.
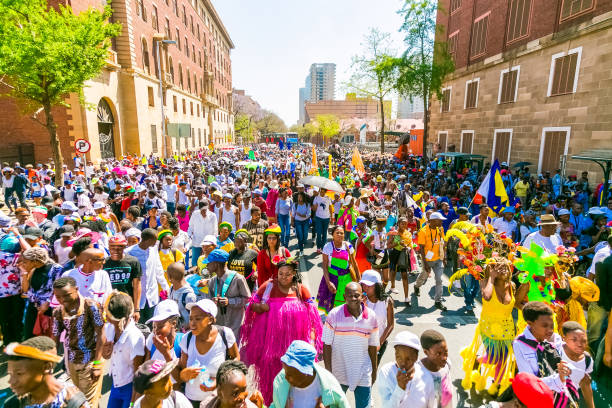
{"points": [[357, 162], [330, 168], [280, 144], [144, 160], [314, 166], [251, 155], [211, 146], [492, 189]]}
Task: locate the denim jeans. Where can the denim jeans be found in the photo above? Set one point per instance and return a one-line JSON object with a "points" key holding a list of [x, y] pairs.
{"points": [[362, 395], [196, 251], [321, 225], [120, 397], [171, 207], [470, 287], [284, 222], [301, 230], [9, 198]]}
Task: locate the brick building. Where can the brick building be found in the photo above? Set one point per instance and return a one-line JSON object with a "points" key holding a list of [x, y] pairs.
{"points": [[196, 87], [351, 107], [533, 80]]}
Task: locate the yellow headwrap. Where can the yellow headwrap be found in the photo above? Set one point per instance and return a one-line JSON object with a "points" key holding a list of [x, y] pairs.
{"points": [[584, 289]]}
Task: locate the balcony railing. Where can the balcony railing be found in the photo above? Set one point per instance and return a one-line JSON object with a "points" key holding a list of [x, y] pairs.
{"points": [[111, 60], [210, 100]]}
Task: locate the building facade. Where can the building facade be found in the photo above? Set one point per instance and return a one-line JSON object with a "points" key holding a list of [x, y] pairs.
{"points": [[322, 82], [410, 108], [351, 107], [533, 81], [171, 61], [304, 95]]}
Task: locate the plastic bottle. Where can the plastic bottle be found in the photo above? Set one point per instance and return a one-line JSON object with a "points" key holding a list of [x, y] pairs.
{"points": [[203, 376]]}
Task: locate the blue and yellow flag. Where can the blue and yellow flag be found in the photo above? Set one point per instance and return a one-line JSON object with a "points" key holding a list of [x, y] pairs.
{"points": [[493, 190]]}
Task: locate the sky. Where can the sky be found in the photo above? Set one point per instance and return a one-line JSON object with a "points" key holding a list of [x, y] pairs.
{"points": [[277, 41]]}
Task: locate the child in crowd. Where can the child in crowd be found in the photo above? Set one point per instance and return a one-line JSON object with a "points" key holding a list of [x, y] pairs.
{"points": [[536, 353], [573, 352], [180, 292], [124, 347], [436, 366]]}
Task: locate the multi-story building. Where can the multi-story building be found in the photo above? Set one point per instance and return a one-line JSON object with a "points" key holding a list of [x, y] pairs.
{"points": [[304, 95], [322, 82], [533, 81], [171, 61], [351, 107], [410, 107]]}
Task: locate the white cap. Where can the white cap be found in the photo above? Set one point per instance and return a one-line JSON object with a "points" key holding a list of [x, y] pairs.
{"points": [[406, 338], [98, 205], [595, 211], [370, 277], [437, 216], [164, 310], [209, 240], [563, 211], [347, 199], [69, 205], [133, 232], [140, 188], [206, 305]]}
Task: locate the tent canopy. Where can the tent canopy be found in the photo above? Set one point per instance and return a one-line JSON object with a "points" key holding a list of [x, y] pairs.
{"points": [[603, 157]]}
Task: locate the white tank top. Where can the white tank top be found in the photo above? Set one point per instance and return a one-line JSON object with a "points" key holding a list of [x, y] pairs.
{"points": [[380, 308], [245, 214], [229, 216]]}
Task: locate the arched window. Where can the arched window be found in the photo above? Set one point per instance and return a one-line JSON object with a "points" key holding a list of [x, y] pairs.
{"points": [[180, 68], [145, 57]]}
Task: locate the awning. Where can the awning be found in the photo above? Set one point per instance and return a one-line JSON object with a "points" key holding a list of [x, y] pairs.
{"points": [[603, 157]]}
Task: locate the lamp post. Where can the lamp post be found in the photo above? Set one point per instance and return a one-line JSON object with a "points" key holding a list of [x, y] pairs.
{"points": [[160, 38]]}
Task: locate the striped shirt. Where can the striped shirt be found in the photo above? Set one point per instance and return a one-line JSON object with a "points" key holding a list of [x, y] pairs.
{"points": [[349, 338]]}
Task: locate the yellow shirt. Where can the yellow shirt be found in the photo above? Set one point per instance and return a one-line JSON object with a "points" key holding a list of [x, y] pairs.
{"points": [[521, 188], [167, 257], [431, 239]]}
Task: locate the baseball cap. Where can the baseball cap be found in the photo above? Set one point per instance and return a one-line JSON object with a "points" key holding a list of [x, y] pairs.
{"points": [[370, 277], [206, 305], [532, 391], [511, 210], [301, 356], [563, 211], [66, 231], [406, 338], [217, 255], [437, 216], [164, 310], [257, 191], [209, 240], [152, 371], [32, 233]]}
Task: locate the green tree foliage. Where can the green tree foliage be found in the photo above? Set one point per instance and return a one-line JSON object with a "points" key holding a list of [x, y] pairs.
{"points": [[270, 123], [48, 53], [328, 126], [370, 75], [243, 127], [421, 69], [305, 132]]}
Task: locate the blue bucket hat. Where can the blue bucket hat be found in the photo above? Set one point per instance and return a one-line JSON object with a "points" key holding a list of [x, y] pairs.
{"points": [[301, 356], [361, 219], [217, 255], [509, 210]]}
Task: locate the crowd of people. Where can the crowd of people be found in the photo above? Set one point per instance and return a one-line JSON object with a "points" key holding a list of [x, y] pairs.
{"points": [[180, 279]]}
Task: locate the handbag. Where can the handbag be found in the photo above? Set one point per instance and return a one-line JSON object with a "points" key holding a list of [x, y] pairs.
{"points": [[403, 261], [43, 325]]}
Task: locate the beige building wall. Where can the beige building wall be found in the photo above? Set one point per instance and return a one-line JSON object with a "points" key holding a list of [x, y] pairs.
{"points": [[585, 113]]}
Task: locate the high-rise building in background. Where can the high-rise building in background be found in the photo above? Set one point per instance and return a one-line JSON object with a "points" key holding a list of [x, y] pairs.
{"points": [[410, 109], [304, 96], [322, 82]]}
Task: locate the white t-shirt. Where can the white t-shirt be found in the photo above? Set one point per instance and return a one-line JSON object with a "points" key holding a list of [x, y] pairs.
{"points": [[323, 205], [100, 197], [549, 244], [211, 360], [305, 397], [579, 368], [157, 355], [181, 401], [61, 252], [380, 308]]}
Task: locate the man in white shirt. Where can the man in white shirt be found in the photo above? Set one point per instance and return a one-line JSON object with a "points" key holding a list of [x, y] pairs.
{"points": [[324, 211], [600, 255], [547, 236], [506, 224], [401, 383], [92, 281], [201, 224], [152, 273], [170, 189]]}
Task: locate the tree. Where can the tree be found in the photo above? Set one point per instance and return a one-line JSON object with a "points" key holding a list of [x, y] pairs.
{"points": [[423, 66], [243, 127], [48, 53], [270, 123], [370, 78], [328, 126], [305, 132]]}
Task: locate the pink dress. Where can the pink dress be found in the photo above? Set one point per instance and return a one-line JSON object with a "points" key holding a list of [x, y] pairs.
{"points": [[184, 221]]}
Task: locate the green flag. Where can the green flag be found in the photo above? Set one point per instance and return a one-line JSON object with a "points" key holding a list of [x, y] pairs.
{"points": [[252, 155]]}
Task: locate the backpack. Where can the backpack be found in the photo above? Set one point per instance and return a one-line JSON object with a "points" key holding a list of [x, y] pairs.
{"points": [[177, 345], [221, 330]]}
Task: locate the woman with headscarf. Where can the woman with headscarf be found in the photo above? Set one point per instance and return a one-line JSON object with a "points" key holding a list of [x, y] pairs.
{"points": [[224, 240], [243, 258], [168, 255], [30, 367], [282, 310], [37, 277], [272, 248]]}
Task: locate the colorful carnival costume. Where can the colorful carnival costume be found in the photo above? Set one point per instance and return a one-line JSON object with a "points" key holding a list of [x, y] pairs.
{"points": [[339, 274], [265, 337], [357, 236]]}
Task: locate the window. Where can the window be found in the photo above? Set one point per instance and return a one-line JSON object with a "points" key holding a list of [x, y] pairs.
{"points": [[471, 94], [508, 85], [192, 137], [151, 96], [193, 53], [554, 144], [186, 47], [175, 8], [145, 57], [180, 69], [454, 5], [198, 31], [467, 141], [573, 8], [154, 138], [167, 29], [564, 69], [452, 44], [191, 108], [171, 69], [184, 16], [198, 109], [154, 21], [188, 80], [200, 58], [175, 103], [199, 137], [184, 107], [518, 19], [195, 84], [446, 99], [479, 36], [191, 24], [502, 140], [141, 10], [178, 39]]}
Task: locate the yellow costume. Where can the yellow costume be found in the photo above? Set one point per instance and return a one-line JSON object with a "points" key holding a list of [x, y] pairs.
{"points": [[492, 348]]}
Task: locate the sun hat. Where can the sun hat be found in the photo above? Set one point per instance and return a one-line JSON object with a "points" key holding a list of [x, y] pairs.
{"points": [[22, 210], [152, 371], [22, 350], [301, 356], [85, 232], [206, 305], [437, 216], [406, 338], [370, 278], [547, 219], [532, 391], [361, 219], [347, 199], [164, 310], [595, 211]]}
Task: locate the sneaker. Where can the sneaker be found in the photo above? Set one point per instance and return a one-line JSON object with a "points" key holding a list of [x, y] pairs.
{"points": [[407, 302], [417, 291], [469, 308], [440, 306], [393, 290]]}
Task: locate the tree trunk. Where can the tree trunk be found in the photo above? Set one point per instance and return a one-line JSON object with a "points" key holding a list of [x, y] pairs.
{"points": [[55, 146], [382, 125]]}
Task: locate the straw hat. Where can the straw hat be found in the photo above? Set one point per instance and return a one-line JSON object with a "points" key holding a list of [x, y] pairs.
{"points": [[548, 219]]}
